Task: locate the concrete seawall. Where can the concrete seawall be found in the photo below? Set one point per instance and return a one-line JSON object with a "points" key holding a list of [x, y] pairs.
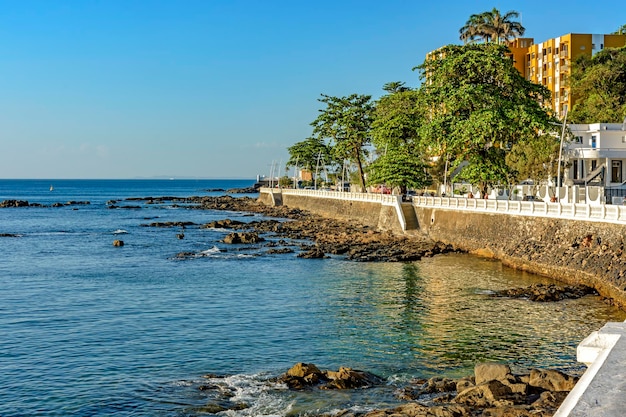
{"points": [[572, 251]]}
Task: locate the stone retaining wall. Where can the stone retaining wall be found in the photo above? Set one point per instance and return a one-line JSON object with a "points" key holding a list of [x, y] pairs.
{"points": [[572, 251]]}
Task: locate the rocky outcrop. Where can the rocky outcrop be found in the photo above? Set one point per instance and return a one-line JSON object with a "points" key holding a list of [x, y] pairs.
{"points": [[118, 243], [14, 203], [243, 237], [551, 292], [223, 224], [169, 224], [492, 391], [307, 375]]}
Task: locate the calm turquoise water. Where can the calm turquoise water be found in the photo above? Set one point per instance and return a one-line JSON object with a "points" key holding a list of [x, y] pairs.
{"points": [[87, 329]]}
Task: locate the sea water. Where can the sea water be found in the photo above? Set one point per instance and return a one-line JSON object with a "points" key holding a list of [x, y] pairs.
{"points": [[89, 329]]}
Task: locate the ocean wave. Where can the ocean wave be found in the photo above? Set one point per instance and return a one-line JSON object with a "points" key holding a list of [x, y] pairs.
{"points": [[246, 395], [211, 251]]}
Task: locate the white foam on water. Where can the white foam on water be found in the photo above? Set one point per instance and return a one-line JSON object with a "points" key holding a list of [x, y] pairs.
{"points": [[211, 251], [120, 232], [264, 398]]}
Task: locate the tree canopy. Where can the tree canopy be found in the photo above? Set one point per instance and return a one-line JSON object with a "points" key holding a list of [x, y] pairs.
{"points": [[346, 122], [307, 154], [395, 133], [598, 85], [479, 106], [492, 26]]}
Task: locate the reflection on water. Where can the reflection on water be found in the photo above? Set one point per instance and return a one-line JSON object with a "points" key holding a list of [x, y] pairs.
{"points": [[433, 317], [437, 316]]}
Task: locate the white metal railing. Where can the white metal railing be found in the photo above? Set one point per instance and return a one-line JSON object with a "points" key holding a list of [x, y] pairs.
{"points": [[387, 199], [588, 212]]}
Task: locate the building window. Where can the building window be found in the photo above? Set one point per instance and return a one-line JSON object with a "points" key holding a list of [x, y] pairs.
{"points": [[601, 46], [593, 46], [575, 174], [594, 165], [616, 171], [578, 139], [623, 139], [594, 140]]}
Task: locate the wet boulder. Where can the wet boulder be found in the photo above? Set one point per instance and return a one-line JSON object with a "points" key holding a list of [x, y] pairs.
{"points": [[242, 237], [348, 378], [551, 380]]}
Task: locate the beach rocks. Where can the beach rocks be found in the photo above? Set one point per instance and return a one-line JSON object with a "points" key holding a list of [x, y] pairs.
{"points": [[492, 391], [307, 375], [118, 243], [223, 224], [313, 253], [13, 203], [544, 293], [243, 237], [169, 224]]}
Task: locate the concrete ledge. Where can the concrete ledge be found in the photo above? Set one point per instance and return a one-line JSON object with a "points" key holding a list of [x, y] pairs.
{"points": [[601, 391]]}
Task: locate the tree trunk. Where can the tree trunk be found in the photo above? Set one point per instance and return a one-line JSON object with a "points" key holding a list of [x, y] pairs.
{"points": [[361, 174]]}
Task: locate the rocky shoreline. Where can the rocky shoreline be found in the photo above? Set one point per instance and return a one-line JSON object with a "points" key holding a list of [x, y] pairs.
{"points": [[319, 236], [492, 391]]}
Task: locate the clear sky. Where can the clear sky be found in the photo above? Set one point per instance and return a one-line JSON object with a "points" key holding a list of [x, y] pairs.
{"points": [[213, 88]]}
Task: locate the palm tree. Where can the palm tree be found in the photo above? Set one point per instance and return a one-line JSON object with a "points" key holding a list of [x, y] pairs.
{"points": [[472, 31], [492, 27]]}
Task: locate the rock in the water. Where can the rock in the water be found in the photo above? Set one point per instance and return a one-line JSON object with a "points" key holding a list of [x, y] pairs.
{"points": [[306, 375], [13, 203], [544, 293], [487, 394], [242, 237], [485, 372], [118, 243], [551, 380], [315, 253], [347, 378]]}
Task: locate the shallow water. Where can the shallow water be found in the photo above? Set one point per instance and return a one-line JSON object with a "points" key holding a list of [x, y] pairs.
{"points": [[89, 329]]}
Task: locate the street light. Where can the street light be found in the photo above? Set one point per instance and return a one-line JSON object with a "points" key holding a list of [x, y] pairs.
{"points": [[558, 181]]}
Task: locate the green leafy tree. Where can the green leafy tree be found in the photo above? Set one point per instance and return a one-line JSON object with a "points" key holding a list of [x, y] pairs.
{"points": [[492, 26], [535, 158], [346, 122], [599, 87], [308, 153], [399, 168], [397, 119], [479, 106]]}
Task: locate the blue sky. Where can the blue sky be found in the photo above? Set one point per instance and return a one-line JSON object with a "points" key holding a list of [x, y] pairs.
{"points": [[212, 88]]}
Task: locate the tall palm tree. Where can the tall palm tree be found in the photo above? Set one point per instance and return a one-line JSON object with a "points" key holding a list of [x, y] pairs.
{"points": [[492, 26], [472, 31]]}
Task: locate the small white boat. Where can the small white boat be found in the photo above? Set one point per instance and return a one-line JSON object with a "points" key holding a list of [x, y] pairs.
{"points": [[51, 188]]}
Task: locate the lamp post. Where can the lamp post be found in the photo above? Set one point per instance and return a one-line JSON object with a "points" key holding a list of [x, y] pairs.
{"points": [[558, 181]]}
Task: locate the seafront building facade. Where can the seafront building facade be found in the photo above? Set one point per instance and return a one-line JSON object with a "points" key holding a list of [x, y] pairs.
{"points": [[596, 154]]}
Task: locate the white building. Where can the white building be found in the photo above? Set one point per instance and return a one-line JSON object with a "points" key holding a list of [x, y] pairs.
{"points": [[596, 156]]}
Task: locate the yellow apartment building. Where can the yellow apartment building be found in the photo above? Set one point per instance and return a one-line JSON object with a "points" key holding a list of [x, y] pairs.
{"points": [[549, 63]]}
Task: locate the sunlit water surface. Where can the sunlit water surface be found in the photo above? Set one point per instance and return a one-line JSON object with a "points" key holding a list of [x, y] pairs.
{"points": [[87, 329]]}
